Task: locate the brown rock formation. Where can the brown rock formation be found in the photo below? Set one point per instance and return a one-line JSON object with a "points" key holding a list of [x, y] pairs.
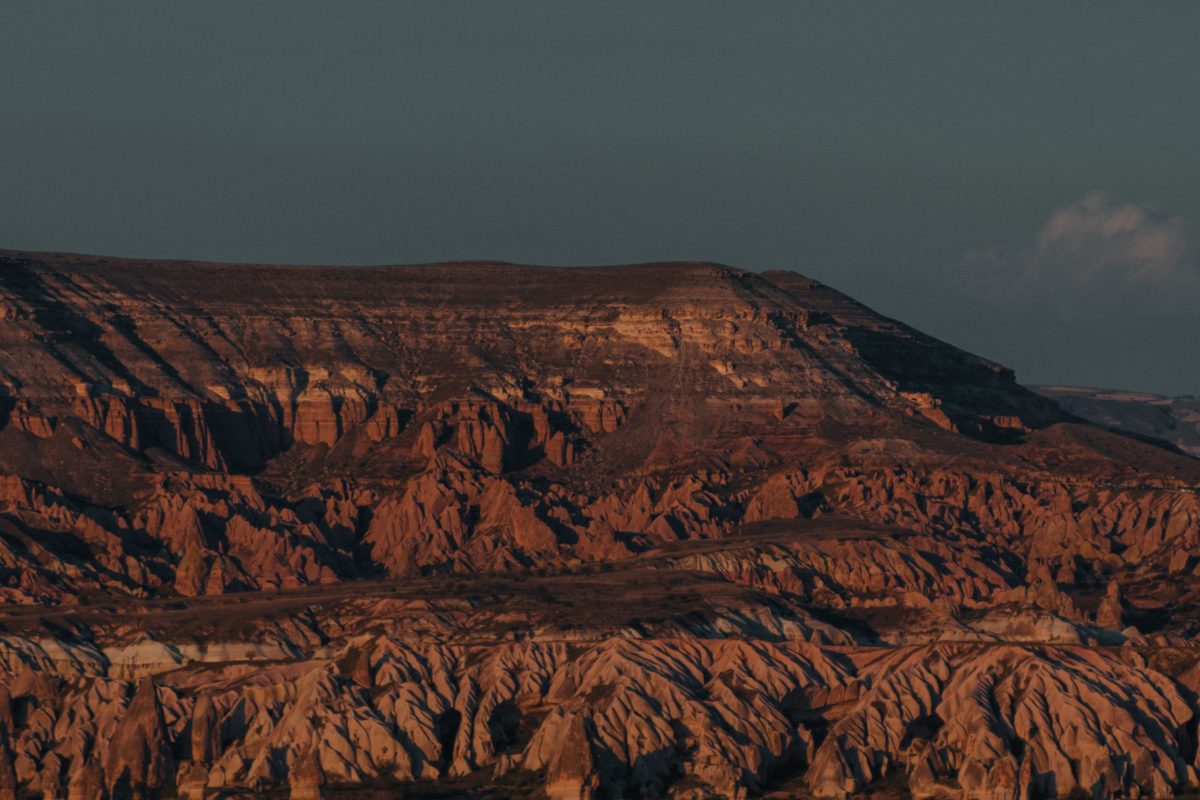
{"points": [[139, 757], [676, 530], [1109, 614], [306, 778], [87, 782]]}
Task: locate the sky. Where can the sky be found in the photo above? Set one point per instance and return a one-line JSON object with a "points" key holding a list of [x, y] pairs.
{"points": [[1020, 179]]}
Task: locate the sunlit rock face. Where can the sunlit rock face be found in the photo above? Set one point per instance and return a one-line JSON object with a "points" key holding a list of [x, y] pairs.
{"points": [[669, 530]]}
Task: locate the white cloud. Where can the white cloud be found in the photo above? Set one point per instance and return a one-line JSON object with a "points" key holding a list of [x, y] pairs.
{"points": [[1097, 239], [1095, 251]]}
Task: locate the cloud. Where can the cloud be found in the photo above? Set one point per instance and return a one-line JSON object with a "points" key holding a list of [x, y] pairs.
{"points": [[1096, 239], [1103, 293], [1096, 249]]}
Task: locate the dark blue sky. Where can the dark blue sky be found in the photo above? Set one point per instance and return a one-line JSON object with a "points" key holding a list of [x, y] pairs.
{"points": [[1018, 178]]}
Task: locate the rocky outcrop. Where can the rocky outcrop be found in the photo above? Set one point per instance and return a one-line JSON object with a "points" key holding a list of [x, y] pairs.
{"points": [[726, 718], [1010, 722], [677, 530], [139, 756]]}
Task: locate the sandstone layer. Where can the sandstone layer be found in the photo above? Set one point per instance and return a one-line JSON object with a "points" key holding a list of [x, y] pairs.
{"points": [[672, 530]]}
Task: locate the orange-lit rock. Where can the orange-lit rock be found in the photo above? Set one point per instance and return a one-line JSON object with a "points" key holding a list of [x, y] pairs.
{"points": [[678, 530]]}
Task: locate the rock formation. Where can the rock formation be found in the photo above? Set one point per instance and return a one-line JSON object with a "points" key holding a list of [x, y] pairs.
{"points": [[674, 530], [1175, 420]]}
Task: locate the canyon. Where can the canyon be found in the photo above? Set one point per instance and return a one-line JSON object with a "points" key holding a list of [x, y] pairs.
{"points": [[484, 530]]}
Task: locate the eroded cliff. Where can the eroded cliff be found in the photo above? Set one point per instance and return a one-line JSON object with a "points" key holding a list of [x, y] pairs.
{"points": [[669, 530]]}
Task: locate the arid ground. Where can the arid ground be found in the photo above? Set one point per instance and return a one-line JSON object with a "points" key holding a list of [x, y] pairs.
{"points": [[480, 530]]}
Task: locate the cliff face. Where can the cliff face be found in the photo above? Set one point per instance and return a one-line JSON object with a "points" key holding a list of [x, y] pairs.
{"points": [[462, 416], [674, 529]]}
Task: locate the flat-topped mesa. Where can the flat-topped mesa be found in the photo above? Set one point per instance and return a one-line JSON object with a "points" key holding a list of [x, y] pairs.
{"points": [[479, 417], [226, 366]]}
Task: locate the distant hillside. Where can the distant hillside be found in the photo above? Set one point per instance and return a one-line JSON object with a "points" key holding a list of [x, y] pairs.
{"points": [[1173, 419]]}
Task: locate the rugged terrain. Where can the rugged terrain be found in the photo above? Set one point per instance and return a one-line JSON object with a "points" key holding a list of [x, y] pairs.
{"points": [[484, 530], [1175, 420]]}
